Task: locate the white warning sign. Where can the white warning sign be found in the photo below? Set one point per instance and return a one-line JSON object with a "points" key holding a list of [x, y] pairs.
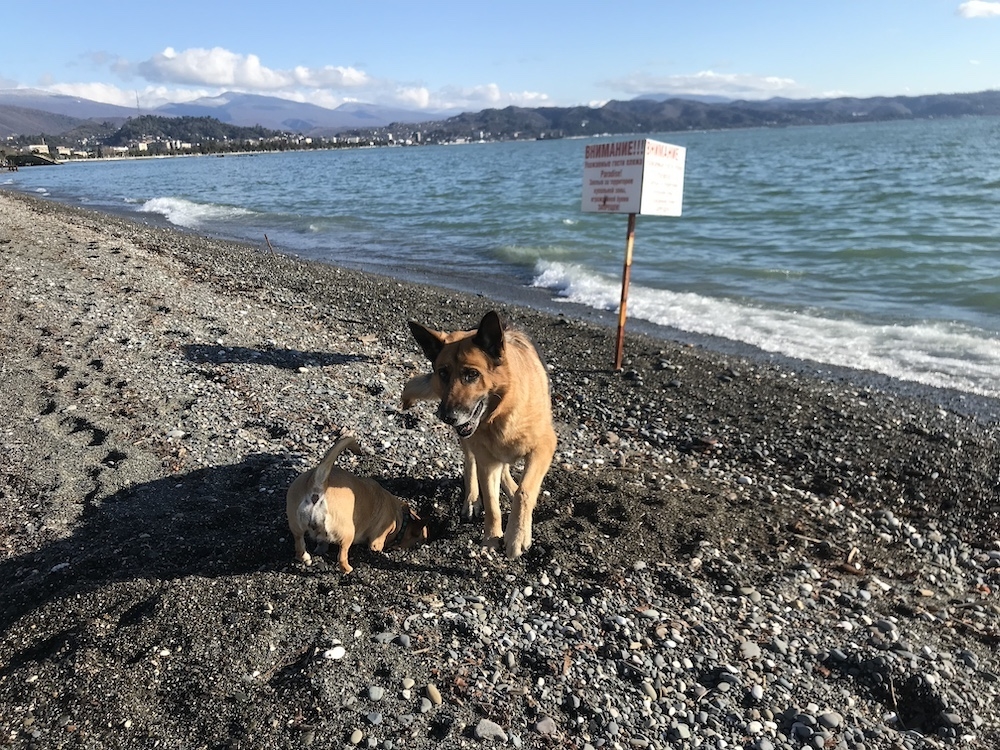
{"points": [[638, 176]]}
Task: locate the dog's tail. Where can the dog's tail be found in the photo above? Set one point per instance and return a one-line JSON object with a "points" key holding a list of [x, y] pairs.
{"points": [[347, 442], [418, 389]]}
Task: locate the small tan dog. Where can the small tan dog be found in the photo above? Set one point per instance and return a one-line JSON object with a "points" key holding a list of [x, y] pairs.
{"points": [[493, 390], [333, 505]]}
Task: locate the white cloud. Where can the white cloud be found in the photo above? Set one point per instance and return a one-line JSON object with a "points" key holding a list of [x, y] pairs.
{"points": [[530, 99], [487, 96], [709, 83], [220, 67], [457, 96], [979, 9], [149, 97], [415, 97], [330, 77], [184, 75]]}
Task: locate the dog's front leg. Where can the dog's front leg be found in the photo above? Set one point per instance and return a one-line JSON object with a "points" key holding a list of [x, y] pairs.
{"points": [[473, 504], [378, 543], [517, 537], [489, 488]]}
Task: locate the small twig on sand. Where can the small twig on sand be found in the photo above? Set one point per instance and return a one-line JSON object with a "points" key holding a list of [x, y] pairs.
{"points": [[269, 245]]}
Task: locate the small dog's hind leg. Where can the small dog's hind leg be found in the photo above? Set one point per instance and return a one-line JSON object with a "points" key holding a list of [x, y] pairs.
{"points": [[300, 549], [345, 546]]}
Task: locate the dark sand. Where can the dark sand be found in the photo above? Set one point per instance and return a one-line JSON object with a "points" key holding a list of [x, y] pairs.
{"points": [[160, 390]]}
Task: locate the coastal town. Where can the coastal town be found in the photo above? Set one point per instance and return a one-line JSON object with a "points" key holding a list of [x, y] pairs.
{"points": [[14, 154]]}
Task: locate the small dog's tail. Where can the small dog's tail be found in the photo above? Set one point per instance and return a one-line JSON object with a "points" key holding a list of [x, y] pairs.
{"points": [[347, 442], [418, 389]]}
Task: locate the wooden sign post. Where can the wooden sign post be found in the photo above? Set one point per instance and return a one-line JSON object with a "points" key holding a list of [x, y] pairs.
{"points": [[638, 176]]}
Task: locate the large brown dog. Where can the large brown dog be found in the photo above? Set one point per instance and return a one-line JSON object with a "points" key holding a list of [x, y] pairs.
{"points": [[494, 391], [334, 505]]}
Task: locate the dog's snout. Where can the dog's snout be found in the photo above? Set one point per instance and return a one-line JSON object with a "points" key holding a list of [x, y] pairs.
{"points": [[447, 415]]}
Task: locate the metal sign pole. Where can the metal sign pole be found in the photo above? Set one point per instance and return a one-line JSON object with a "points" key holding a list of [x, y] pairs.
{"points": [[626, 277]]}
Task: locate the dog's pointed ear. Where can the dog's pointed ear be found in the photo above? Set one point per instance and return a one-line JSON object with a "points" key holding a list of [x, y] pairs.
{"points": [[429, 340], [489, 336]]}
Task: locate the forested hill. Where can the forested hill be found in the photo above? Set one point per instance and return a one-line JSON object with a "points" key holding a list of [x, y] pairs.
{"points": [[193, 129], [664, 115]]}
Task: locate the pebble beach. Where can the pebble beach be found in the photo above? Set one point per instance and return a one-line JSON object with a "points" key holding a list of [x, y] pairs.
{"points": [[730, 552]]}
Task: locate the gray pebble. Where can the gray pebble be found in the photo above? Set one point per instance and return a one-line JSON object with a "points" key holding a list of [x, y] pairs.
{"points": [[831, 720], [545, 725], [489, 730]]}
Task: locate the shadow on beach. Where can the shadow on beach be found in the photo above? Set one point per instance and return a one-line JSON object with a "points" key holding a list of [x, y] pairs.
{"points": [[287, 359], [214, 522], [209, 522]]}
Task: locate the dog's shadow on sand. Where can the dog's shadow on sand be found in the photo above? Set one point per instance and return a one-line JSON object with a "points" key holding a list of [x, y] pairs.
{"points": [[286, 359], [210, 522]]}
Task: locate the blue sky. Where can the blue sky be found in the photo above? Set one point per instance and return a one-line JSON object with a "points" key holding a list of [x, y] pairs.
{"points": [[470, 55]]}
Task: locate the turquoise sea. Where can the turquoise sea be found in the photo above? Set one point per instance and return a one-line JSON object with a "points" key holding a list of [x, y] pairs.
{"points": [[867, 246]]}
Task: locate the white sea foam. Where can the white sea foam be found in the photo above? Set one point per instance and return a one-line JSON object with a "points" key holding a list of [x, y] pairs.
{"points": [[185, 213], [936, 354]]}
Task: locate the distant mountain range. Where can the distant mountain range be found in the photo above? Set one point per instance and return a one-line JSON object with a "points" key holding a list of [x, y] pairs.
{"points": [[652, 114], [299, 117], [30, 112]]}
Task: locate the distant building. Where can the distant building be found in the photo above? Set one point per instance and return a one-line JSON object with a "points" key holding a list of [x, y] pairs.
{"points": [[40, 148]]}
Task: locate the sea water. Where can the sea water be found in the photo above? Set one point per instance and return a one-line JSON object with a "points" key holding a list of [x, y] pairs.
{"points": [[873, 246]]}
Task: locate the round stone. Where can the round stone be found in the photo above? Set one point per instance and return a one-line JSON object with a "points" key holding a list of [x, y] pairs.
{"points": [[490, 730], [434, 694], [831, 719]]}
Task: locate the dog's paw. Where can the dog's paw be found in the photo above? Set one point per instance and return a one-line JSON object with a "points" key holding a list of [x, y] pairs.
{"points": [[492, 543], [516, 544], [305, 558], [473, 510]]}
